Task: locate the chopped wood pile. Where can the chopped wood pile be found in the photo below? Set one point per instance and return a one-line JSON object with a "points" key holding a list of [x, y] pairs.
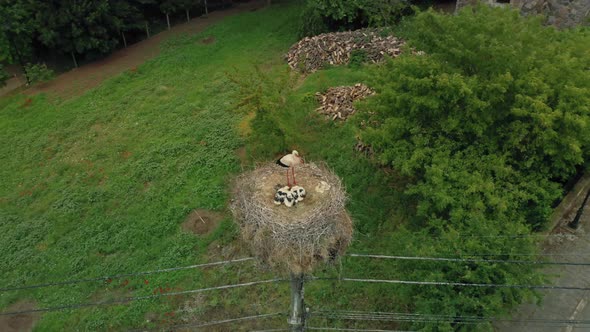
{"points": [[312, 53], [337, 102]]}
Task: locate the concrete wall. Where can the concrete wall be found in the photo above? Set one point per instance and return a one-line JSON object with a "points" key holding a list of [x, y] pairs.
{"points": [[561, 13]]}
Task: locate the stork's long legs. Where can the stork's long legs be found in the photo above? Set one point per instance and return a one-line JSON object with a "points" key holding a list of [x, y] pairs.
{"points": [[288, 183], [293, 172]]}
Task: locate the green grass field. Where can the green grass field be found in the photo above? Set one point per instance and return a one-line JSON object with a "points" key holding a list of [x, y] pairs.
{"points": [[100, 184]]}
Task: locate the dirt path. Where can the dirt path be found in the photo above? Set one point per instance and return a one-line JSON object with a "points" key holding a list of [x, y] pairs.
{"points": [[79, 80]]}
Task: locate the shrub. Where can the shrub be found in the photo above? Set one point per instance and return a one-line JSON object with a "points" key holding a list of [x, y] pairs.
{"points": [[337, 15], [39, 73], [492, 84], [357, 58], [312, 23], [488, 123]]}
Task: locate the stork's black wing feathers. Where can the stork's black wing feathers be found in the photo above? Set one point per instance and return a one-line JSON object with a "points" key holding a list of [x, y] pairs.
{"points": [[281, 164]]}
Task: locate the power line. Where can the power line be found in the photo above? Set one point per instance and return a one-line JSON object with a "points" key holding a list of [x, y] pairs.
{"points": [[446, 283], [218, 322], [470, 260], [530, 255], [524, 236], [137, 298], [414, 317], [118, 276], [343, 329]]}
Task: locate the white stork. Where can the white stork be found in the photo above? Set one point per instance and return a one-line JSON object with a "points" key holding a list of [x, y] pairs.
{"points": [[290, 161]]}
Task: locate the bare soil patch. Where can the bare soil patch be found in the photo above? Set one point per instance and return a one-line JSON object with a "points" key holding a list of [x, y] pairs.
{"points": [[22, 322], [202, 221], [208, 40]]}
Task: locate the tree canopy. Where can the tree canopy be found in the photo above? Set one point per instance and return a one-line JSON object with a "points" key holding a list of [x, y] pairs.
{"points": [[77, 27], [488, 123], [495, 96]]}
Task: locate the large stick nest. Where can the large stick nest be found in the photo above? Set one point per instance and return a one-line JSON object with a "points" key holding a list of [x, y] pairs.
{"points": [[316, 230]]}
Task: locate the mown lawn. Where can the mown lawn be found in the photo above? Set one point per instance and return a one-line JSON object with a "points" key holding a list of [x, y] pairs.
{"points": [[100, 184]]}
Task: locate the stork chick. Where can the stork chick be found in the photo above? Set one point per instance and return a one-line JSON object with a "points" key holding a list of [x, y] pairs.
{"points": [[290, 161], [280, 195], [298, 192]]}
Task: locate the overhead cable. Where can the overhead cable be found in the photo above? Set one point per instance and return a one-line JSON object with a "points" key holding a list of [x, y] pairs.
{"points": [[125, 275], [138, 298], [469, 260]]}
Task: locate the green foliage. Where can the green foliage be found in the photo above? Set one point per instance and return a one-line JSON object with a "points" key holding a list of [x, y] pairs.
{"points": [[39, 72], [75, 27], [322, 15], [517, 97], [488, 123], [17, 29], [4, 76], [263, 94], [357, 58], [311, 23]]}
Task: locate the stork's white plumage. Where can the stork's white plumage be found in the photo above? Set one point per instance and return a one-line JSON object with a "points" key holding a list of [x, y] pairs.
{"points": [[290, 161]]}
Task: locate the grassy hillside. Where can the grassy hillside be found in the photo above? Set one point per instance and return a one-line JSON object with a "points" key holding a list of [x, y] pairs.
{"points": [[100, 184]]}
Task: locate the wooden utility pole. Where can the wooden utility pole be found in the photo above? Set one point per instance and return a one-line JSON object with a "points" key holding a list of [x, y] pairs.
{"points": [[297, 319], [188, 16], [147, 29], [206, 10], [168, 20]]}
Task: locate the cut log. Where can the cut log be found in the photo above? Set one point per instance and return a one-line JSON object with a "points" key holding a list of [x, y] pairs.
{"points": [[338, 102]]}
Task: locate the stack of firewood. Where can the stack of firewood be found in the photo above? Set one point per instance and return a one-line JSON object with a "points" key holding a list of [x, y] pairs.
{"points": [[337, 102], [312, 53]]}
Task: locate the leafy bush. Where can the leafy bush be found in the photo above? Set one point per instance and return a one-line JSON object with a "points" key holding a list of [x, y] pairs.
{"points": [[263, 94], [357, 58], [482, 91], [489, 123], [39, 73], [312, 23], [333, 15], [4, 76]]}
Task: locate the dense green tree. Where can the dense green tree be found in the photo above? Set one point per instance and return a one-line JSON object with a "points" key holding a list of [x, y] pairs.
{"points": [[78, 27], [323, 15], [186, 5], [17, 29], [168, 7], [491, 83], [488, 123]]}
